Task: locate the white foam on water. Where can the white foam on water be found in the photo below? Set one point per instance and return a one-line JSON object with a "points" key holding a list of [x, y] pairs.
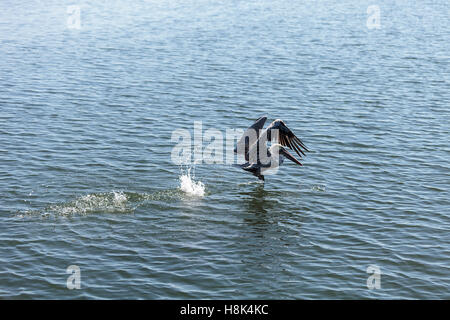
{"points": [[119, 198], [110, 202], [190, 186]]}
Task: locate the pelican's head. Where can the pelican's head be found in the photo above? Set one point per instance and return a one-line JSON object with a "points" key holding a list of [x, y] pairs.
{"points": [[277, 148]]}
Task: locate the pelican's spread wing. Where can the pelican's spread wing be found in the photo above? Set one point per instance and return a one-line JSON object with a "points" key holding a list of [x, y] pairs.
{"points": [[287, 138], [249, 137]]}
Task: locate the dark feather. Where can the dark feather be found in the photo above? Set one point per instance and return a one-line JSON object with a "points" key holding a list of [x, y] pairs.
{"points": [[287, 138]]}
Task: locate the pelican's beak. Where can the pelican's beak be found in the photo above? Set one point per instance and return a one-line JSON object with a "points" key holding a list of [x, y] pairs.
{"points": [[289, 156]]}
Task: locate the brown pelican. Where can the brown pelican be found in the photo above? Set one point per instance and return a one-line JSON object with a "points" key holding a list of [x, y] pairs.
{"points": [[259, 158]]}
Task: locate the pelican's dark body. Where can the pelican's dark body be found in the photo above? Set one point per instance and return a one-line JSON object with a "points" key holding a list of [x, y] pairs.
{"points": [[253, 145]]}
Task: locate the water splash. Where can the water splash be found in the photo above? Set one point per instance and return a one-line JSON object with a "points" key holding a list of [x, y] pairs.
{"points": [[190, 186], [119, 201]]}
